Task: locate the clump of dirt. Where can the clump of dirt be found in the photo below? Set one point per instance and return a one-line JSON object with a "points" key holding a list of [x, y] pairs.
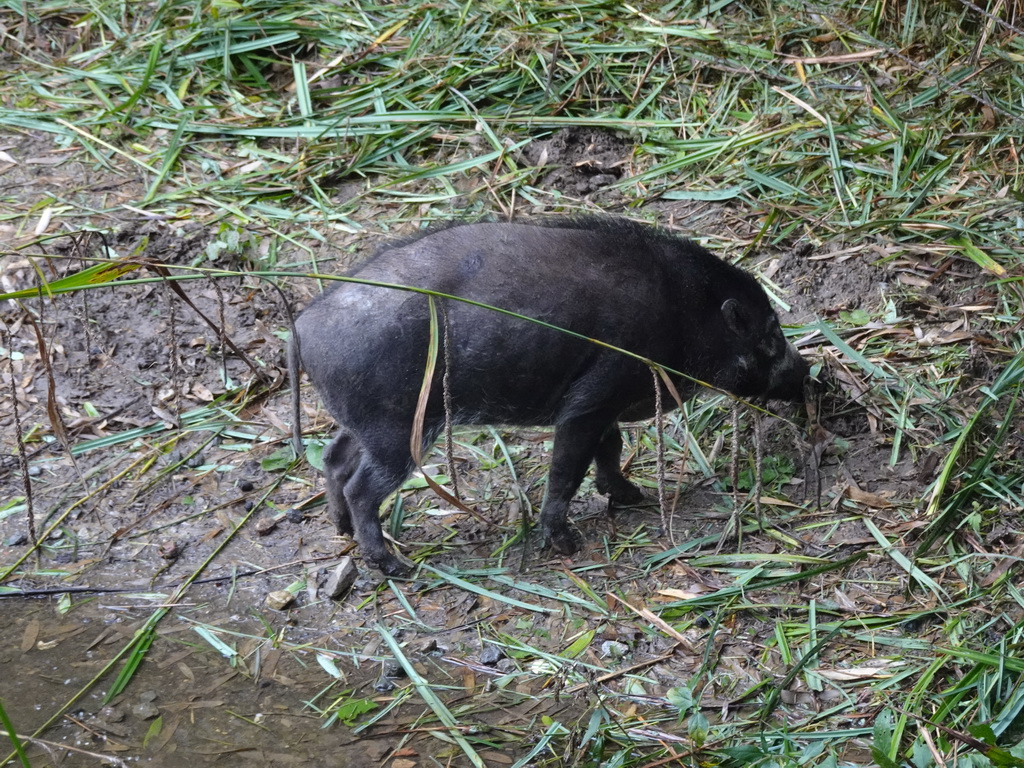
{"points": [[830, 281], [584, 160]]}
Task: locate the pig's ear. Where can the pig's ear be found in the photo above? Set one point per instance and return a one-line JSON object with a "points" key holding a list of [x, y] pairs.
{"points": [[737, 319]]}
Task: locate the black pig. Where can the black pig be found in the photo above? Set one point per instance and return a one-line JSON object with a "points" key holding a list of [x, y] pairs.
{"points": [[627, 284]]}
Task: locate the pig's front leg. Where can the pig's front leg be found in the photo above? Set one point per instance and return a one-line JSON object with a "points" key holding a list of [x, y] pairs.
{"points": [[576, 445]]}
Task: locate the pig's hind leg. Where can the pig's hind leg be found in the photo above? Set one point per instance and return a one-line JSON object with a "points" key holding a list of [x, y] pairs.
{"points": [[608, 475], [381, 469], [341, 458]]}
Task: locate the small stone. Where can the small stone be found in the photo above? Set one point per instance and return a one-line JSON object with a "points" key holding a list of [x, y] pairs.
{"points": [[280, 599], [196, 461], [34, 471], [169, 550], [425, 645], [245, 486], [16, 540], [341, 579], [392, 668], [491, 655], [266, 525], [148, 696], [383, 685], [112, 714], [295, 516], [507, 666], [145, 710], [611, 649], [113, 728]]}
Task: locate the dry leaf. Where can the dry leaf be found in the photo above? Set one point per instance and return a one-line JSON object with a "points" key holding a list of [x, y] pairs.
{"points": [[689, 593], [496, 758], [868, 499], [28, 638], [933, 337], [1002, 567], [201, 393], [855, 673], [44, 221], [908, 279], [844, 601]]}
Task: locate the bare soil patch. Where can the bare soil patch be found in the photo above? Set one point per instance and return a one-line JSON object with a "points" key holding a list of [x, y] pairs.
{"points": [[143, 513]]}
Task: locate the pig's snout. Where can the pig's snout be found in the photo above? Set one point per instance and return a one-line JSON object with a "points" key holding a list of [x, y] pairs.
{"points": [[789, 377]]}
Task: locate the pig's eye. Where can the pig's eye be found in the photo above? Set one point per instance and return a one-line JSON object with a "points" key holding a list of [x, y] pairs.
{"points": [[772, 344]]}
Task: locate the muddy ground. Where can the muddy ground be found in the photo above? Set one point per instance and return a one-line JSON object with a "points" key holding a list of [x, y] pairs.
{"points": [[162, 476]]}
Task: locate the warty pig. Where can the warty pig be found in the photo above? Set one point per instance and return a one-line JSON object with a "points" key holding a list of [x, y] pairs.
{"points": [[627, 284]]}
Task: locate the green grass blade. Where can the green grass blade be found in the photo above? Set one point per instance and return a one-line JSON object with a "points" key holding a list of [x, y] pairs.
{"points": [[427, 694]]}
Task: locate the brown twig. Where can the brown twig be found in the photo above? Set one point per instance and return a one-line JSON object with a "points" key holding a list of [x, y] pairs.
{"points": [[165, 273], [758, 467], [659, 431], [446, 396], [19, 437]]}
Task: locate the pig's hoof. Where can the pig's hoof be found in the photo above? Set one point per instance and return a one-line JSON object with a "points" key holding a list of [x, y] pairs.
{"points": [[565, 539], [627, 495], [620, 491], [392, 566]]}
